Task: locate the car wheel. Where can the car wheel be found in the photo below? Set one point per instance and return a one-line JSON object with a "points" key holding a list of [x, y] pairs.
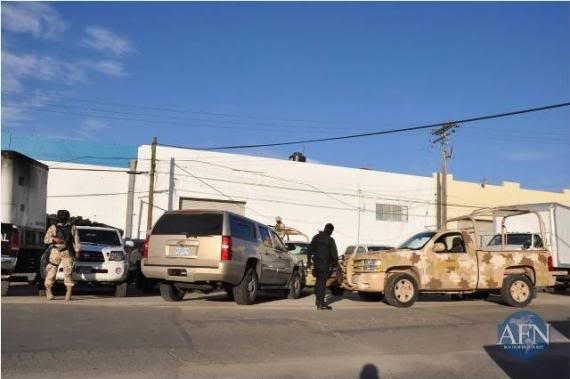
{"points": [[517, 291], [170, 293], [295, 286], [371, 296], [42, 271], [401, 290], [5, 287], [245, 292], [121, 289]]}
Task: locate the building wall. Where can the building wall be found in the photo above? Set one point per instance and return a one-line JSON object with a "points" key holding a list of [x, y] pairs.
{"points": [[508, 193], [304, 195], [98, 195]]}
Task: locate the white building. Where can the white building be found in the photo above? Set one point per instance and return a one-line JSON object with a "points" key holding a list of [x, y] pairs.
{"points": [[91, 191], [364, 205]]}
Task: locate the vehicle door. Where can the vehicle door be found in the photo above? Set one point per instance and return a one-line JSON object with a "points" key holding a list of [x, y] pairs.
{"points": [[455, 266], [268, 257], [284, 259]]}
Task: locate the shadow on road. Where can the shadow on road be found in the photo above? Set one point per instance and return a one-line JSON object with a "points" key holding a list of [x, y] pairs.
{"points": [[551, 364], [23, 289], [369, 371]]}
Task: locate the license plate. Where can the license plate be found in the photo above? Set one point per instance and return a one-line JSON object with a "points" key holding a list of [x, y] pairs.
{"points": [[184, 251], [83, 270]]}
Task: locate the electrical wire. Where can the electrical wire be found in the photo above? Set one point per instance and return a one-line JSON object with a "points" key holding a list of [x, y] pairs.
{"points": [[182, 111], [376, 133]]}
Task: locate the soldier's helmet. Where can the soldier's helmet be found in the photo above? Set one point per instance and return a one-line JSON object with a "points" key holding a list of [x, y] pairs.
{"points": [[62, 216]]}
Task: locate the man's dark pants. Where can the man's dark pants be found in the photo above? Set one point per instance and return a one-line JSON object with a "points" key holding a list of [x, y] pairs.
{"points": [[323, 272]]}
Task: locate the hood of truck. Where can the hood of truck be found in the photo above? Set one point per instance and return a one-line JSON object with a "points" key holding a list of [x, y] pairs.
{"points": [[394, 257]]}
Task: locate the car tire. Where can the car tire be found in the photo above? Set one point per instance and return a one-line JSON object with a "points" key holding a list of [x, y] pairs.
{"points": [[5, 287], [121, 289], [42, 269], [371, 296], [401, 290], [517, 291], [245, 292], [170, 293], [337, 290], [295, 286]]}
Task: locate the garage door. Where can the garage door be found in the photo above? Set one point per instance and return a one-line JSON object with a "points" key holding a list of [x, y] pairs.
{"points": [[223, 205]]}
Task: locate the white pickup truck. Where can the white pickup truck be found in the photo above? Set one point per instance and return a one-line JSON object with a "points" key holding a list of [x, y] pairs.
{"points": [[103, 260]]}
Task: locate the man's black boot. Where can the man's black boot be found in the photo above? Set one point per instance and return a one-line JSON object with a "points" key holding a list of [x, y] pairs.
{"points": [[323, 306]]}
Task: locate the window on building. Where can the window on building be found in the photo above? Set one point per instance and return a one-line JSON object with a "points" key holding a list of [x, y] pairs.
{"points": [[391, 212]]}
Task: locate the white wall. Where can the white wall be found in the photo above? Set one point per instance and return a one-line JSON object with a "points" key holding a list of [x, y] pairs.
{"points": [[98, 195], [304, 195]]}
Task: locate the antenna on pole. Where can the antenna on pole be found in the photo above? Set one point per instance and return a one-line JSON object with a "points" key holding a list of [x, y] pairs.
{"points": [[442, 134]]}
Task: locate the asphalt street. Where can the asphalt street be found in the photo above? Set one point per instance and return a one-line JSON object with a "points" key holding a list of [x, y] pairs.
{"points": [[208, 336]]}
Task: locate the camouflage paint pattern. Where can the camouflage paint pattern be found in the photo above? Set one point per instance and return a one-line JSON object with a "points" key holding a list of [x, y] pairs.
{"points": [[455, 271], [56, 259]]}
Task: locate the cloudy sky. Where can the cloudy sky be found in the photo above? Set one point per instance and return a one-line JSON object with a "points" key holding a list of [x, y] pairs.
{"points": [[219, 74]]}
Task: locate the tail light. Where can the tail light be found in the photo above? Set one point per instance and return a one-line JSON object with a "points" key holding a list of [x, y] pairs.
{"points": [[550, 264], [145, 250], [226, 248], [15, 240]]}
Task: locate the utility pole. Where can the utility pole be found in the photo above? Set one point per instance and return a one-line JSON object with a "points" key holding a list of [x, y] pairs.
{"points": [[130, 198], [443, 135], [151, 186]]}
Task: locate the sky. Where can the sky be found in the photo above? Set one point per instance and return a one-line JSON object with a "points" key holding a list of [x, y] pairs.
{"points": [[112, 75]]}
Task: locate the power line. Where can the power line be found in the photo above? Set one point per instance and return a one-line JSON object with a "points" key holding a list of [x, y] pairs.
{"points": [[381, 132], [182, 111]]}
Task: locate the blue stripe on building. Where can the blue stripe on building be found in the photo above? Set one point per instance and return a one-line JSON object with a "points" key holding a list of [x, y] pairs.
{"points": [[76, 151]]}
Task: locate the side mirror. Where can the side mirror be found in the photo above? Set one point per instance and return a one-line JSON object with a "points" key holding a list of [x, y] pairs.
{"points": [[129, 244], [439, 247]]}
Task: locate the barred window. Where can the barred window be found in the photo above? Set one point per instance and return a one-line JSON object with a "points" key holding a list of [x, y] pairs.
{"points": [[391, 212]]}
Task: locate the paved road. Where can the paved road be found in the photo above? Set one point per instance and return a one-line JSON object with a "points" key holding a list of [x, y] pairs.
{"points": [[98, 336]]}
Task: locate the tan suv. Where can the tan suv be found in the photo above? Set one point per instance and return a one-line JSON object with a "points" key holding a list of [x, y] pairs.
{"points": [[206, 250]]}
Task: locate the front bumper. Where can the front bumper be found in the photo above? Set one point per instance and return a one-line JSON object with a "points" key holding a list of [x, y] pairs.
{"points": [[112, 271], [368, 281], [8, 264]]}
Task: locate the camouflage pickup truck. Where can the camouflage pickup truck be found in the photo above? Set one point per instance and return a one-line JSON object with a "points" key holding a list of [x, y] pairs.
{"points": [[455, 261]]}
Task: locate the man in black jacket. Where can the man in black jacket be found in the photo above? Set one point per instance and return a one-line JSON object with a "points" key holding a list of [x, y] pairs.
{"points": [[324, 256]]}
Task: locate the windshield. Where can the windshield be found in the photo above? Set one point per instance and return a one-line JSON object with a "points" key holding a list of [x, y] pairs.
{"points": [[298, 248], [418, 241], [100, 237], [379, 248]]}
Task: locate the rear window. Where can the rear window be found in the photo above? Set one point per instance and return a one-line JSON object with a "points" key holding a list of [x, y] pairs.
{"points": [[101, 237], [196, 225]]}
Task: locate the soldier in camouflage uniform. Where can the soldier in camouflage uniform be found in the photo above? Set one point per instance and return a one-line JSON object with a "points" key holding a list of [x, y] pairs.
{"points": [[64, 240]]}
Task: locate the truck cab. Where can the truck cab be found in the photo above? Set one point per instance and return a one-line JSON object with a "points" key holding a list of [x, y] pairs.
{"points": [[452, 261]]}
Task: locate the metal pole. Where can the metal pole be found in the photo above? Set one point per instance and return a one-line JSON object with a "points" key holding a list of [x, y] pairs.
{"points": [[358, 233], [151, 186], [444, 180], [443, 134], [130, 199], [438, 200], [171, 186]]}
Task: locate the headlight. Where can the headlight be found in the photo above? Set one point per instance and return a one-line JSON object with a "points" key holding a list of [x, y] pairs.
{"points": [[372, 265], [116, 256]]}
